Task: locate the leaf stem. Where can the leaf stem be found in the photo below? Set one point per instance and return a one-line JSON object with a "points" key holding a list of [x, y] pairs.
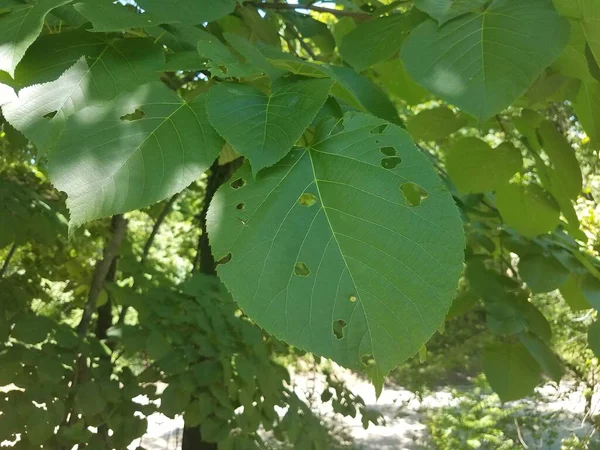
{"points": [[9, 256]]}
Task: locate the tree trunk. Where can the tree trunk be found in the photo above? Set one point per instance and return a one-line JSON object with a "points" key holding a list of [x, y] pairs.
{"points": [[205, 263]]}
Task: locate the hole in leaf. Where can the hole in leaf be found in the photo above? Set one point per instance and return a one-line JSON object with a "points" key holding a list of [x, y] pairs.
{"points": [[225, 259], [223, 69], [338, 328], [338, 128], [379, 130], [301, 269], [368, 360], [353, 298], [388, 151], [307, 199], [390, 162], [50, 115], [413, 193], [238, 183], [136, 115], [240, 206]]}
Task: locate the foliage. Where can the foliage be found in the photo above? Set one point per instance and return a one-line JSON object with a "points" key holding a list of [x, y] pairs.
{"points": [[362, 160]]}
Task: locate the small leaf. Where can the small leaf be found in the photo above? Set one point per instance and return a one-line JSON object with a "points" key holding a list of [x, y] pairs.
{"points": [[394, 79], [572, 292], [511, 370], [475, 167], [360, 255], [587, 107], [528, 209], [108, 165], [39, 428], [31, 329], [434, 124], [483, 61], [594, 338], [90, 399], [445, 10], [377, 40], [542, 273], [549, 362], [264, 127]]}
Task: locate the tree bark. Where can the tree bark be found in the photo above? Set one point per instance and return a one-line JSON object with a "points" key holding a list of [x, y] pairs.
{"points": [[205, 263]]}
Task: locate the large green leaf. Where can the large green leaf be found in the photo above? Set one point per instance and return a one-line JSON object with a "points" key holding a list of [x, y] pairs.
{"points": [[350, 248], [542, 273], [191, 12], [264, 127], [511, 370], [107, 16], [41, 110], [133, 151], [587, 14], [376, 40], [484, 61], [433, 124], [19, 28], [445, 10], [475, 167], [528, 209], [573, 62], [572, 292]]}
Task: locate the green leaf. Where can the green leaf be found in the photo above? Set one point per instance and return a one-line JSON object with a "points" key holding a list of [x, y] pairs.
{"points": [[358, 91], [562, 157], [528, 209], [189, 12], [264, 127], [376, 40], [511, 371], [572, 62], [594, 338], [591, 290], [90, 399], [39, 428], [222, 62], [360, 258], [542, 273], [108, 16], [41, 110], [19, 28], [484, 61], [31, 329], [475, 167], [157, 345], [433, 124], [7, 94], [394, 79], [572, 292], [587, 108], [549, 362], [587, 15], [445, 10], [175, 399], [131, 152]]}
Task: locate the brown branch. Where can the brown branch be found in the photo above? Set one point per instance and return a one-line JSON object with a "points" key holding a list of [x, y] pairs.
{"points": [[287, 6], [9, 256], [119, 226], [159, 221]]}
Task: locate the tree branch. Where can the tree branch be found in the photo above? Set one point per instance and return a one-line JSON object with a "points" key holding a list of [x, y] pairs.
{"points": [[9, 256], [159, 220], [287, 6], [119, 226]]}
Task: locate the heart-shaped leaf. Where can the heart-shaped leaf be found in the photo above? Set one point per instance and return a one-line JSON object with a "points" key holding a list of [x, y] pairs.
{"points": [[350, 248], [264, 127], [484, 61]]}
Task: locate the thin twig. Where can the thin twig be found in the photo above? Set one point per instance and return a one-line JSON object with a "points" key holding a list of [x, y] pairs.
{"points": [[9, 256], [159, 220], [335, 12], [303, 44], [101, 271], [519, 434]]}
